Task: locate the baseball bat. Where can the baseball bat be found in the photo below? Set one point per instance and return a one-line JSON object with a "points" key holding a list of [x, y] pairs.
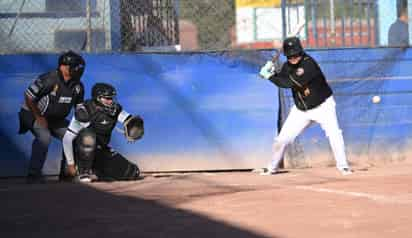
{"points": [[295, 33], [279, 51]]}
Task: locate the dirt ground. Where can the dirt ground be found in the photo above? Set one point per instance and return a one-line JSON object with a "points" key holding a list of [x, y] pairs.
{"points": [[376, 201]]}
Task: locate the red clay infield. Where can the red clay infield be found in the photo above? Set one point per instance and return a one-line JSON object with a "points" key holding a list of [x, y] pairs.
{"points": [[317, 202]]}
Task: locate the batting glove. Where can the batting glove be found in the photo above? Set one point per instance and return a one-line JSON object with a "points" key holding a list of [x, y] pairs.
{"points": [[267, 70]]}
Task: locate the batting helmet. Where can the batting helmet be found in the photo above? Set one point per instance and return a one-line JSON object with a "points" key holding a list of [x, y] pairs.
{"points": [[292, 47]]}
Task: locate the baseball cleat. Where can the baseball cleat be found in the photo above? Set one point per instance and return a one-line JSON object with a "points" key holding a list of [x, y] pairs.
{"points": [[267, 171], [346, 171], [86, 177]]}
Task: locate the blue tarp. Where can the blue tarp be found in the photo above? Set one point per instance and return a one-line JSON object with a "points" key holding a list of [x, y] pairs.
{"points": [[201, 111]]}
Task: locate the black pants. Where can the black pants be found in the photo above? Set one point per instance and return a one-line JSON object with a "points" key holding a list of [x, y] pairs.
{"points": [[42, 139], [106, 163], [110, 165]]}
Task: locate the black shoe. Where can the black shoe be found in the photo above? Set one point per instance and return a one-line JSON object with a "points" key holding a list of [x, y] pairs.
{"points": [[66, 179], [83, 178], [35, 179], [86, 176], [139, 177]]}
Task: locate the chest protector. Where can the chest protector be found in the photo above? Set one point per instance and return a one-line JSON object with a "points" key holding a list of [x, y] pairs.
{"points": [[102, 120]]}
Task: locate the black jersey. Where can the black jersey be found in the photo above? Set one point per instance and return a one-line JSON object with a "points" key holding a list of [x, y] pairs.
{"points": [[307, 81], [55, 97]]}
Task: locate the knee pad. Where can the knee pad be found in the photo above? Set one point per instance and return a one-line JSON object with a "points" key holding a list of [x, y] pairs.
{"points": [[86, 142], [85, 146]]}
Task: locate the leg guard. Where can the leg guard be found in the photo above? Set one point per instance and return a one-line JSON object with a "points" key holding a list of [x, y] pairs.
{"points": [[84, 149]]}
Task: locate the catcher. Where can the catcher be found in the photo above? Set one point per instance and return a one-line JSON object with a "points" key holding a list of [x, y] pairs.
{"points": [[86, 142]]}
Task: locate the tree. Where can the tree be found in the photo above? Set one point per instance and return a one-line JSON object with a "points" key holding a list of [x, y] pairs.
{"points": [[213, 18]]}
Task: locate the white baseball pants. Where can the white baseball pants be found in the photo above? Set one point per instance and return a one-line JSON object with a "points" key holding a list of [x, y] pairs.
{"points": [[297, 121]]}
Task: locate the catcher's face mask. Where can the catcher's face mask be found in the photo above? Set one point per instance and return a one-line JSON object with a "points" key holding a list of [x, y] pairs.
{"points": [[107, 101]]}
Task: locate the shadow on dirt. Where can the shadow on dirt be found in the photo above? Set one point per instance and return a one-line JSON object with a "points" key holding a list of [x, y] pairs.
{"points": [[75, 210]]}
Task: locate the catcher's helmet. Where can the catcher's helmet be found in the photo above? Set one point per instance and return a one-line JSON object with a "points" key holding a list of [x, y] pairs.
{"points": [[75, 61], [103, 90], [292, 47]]}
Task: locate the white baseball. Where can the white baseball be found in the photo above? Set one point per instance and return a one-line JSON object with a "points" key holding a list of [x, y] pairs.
{"points": [[376, 99]]}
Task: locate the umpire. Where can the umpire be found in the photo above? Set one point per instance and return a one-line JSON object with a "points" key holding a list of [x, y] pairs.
{"points": [[47, 102]]}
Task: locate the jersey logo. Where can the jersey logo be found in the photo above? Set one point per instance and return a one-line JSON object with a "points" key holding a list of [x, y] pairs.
{"points": [[55, 88], [65, 100], [77, 89], [300, 71], [104, 122]]}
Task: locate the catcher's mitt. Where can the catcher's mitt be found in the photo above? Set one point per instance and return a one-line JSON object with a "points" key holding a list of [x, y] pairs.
{"points": [[133, 128]]}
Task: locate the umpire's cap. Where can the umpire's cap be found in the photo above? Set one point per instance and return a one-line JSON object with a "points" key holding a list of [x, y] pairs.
{"points": [[75, 61]]}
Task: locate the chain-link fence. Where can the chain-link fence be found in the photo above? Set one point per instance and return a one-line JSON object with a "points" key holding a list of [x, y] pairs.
{"points": [[190, 25]]}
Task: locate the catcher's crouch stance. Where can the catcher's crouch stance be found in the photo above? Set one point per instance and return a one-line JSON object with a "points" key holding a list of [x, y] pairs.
{"points": [[88, 135]]}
